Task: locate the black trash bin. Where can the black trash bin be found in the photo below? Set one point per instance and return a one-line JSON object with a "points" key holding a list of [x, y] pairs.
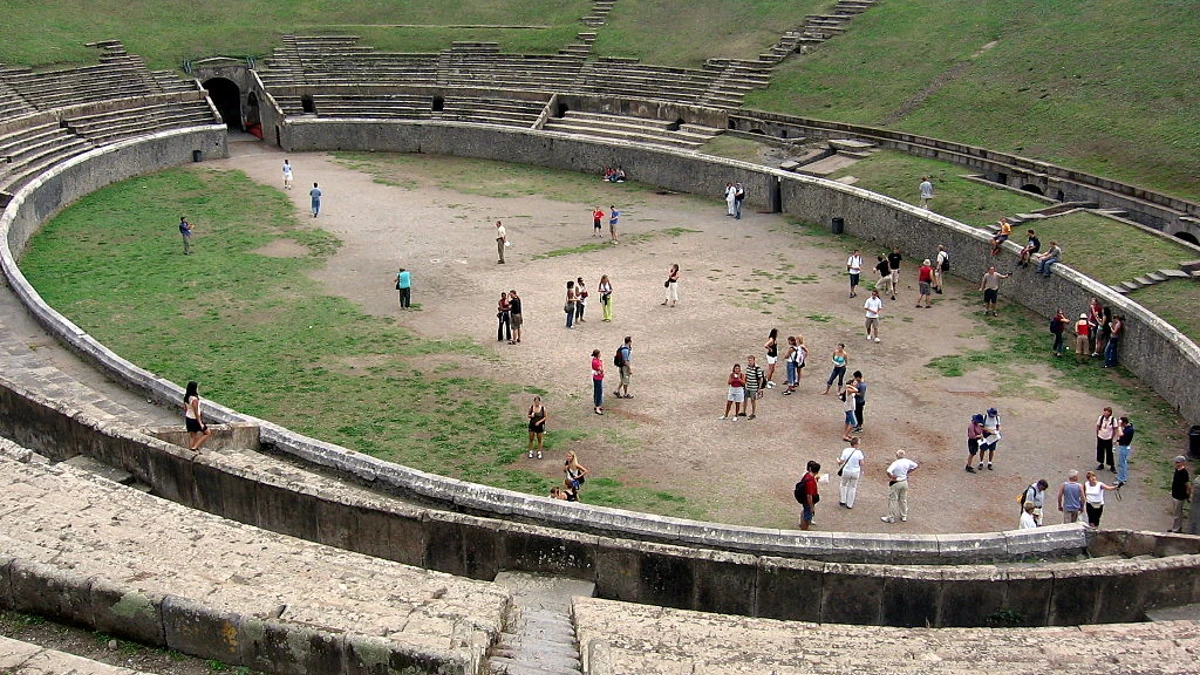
{"points": [[838, 225], [1194, 441]]}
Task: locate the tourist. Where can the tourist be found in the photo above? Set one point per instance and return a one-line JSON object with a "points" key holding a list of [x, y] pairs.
{"points": [[850, 466], [926, 189], [1095, 316], [404, 286], [569, 304], [1070, 498], [597, 216], [1048, 259], [315, 197], [772, 347], [597, 383], [1106, 430], [619, 175], [581, 296], [860, 400], [613, 216], [1028, 520], [185, 230], [925, 284], [735, 393], [503, 319], [625, 367], [755, 386], [739, 195], [847, 396], [568, 491], [1094, 491], [537, 426], [193, 418], [1116, 329], [1002, 236], [974, 435], [1032, 246], [1125, 432], [501, 241], [941, 265], [1058, 326], [576, 473], [1102, 331], [514, 310], [672, 286], [990, 286], [1082, 330], [854, 268], [287, 175], [884, 283], [557, 492], [894, 259], [605, 288], [807, 494], [730, 194], [793, 360], [1181, 492], [991, 437], [874, 307], [838, 359], [898, 473], [1035, 494]]}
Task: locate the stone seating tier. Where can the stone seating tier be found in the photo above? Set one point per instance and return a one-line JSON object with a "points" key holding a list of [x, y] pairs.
{"points": [[493, 111], [640, 130], [87, 84], [109, 127], [23, 658], [26, 153]]}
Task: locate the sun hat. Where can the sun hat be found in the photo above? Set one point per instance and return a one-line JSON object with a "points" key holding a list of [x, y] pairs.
{"points": [[1180, 459]]}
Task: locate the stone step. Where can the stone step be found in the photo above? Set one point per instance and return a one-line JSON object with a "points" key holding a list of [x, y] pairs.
{"points": [[85, 463], [503, 666], [1158, 277], [1175, 274]]}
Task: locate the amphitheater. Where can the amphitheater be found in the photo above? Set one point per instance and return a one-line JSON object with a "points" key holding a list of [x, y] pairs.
{"points": [[287, 554]]}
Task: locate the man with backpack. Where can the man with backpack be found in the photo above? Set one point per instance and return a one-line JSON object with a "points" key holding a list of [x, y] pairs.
{"points": [[756, 384], [622, 360], [806, 493], [1035, 494]]}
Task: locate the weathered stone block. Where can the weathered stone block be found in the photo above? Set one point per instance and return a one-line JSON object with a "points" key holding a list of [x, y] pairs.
{"points": [[852, 594], [287, 510], [1075, 596], [126, 612], [366, 655], [790, 589], [535, 549], [1028, 592], [277, 647], [6, 601], [725, 583], [912, 597], [970, 594], [50, 591], [202, 631]]}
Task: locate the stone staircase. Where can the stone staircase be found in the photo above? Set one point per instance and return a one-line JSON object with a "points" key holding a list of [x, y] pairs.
{"points": [[540, 637], [582, 45], [1154, 278], [599, 14]]}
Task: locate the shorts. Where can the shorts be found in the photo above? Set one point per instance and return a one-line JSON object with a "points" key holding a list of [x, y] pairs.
{"points": [[851, 419], [923, 287], [973, 446], [596, 223], [806, 513], [772, 360], [991, 295], [193, 426], [625, 373], [516, 320], [853, 280], [736, 395]]}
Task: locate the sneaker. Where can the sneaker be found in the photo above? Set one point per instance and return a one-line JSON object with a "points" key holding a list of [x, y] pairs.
{"points": [[878, 340], [539, 454], [1112, 469], [904, 519], [1099, 467], [723, 417], [787, 392], [970, 470], [752, 417], [741, 414], [981, 466], [530, 454], [770, 384], [887, 519], [734, 419], [868, 338], [989, 466]]}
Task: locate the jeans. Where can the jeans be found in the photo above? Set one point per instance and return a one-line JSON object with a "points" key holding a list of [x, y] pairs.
{"points": [[597, 393], [839, 374], [579, 307], [1045, 265], [1110, 353], [1123, 453], [792, 371], [859, 404], [504, 327], [737, 209], [406, 297], [571, 316], [1058, 343]]}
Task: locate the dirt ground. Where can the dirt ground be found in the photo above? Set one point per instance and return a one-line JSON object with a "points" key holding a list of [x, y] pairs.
{"points": [[739, 280]]}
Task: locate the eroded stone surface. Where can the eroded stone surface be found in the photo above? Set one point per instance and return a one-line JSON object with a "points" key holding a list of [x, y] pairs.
{"points": [[22, 658]]}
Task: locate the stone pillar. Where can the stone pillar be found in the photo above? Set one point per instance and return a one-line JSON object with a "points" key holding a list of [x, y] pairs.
{"points": [[1192, 524]]}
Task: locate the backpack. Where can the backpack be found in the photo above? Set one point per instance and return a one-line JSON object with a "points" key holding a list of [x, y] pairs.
{"points": [[946, 261], [619, 358], [1021, 498], [799, 492]]}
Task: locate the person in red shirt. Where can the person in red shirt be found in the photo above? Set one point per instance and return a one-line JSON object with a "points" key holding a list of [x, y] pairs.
{"points": [[809, 492], [597, 216], [597, 383], [925, 283], [1082, 330]]}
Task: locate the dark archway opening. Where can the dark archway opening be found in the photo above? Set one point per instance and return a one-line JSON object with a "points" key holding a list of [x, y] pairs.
{"points": [[307, 105], [1188, 237], [562, 110], [1032, 188], [253, 122], [783, 133], [228, 98], [760, 132], [439, 103], [1060, 196]]}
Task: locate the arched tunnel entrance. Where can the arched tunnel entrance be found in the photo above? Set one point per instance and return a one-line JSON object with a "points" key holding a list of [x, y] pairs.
{"points": [[228, 98]]}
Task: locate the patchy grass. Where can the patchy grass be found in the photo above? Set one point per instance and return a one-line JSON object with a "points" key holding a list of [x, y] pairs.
{"points": [[592, 247], [1175, 301], [735, 147], [1108, 250]]}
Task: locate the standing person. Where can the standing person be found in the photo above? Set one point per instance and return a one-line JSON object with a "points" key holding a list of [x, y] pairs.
{"points": [[315, 199], [501, 242], [1081, 338], [1058, 326], [925, 283], [581, 296], [884, 283], [730, 193], [991, 437], [806, 493], [850, 466], [597, 383], [854, 268], [739, 195], [1106, 431], [974, 434], [576, 473], [404, 285], [1028, 521], [569, 304], [941, 265], [514, 310], [1095, 316], [838, 359], [287, 175], [926, 189], [792, 360], [898, 473], [847, 395], [613, 216], [1181, 492], [1093, 491], [990, 286], [185, 230], [1116, 329], [735, 394], [597, 216], [1048, 259], [1035, 495], [197, 430], [894, 259], [625, 367], [860, 399], [537, 426], [1070, 498], [503, 319], [755, 386], [606, 289], [1125, 432], [672, 286], [772, 347], [1032, 246], [873, 307]]}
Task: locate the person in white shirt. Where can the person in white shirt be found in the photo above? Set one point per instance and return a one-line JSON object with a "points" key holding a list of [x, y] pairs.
{"points": [[287, 175], [854, 267], [501, 240], [898, 473], [1028, 521], [926, 191], [941, 264], [850, 469], [873, 305]]}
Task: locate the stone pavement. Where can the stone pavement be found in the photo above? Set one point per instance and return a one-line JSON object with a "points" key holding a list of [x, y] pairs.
{"points": [[620, 638], [22, 658]]}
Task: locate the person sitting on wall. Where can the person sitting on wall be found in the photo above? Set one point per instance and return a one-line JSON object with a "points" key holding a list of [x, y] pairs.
{"points": [[1001, 236]]}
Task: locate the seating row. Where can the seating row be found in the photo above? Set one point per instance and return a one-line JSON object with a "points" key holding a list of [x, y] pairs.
{"points": [[637, 129], [110, 127], [484, 110], [27, 152]]}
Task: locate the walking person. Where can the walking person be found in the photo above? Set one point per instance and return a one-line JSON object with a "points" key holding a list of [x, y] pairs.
{"points": [[518, 317], [198, 431], [807, 494], [925, 283], [1106, 431], [991, 437], [569, 304], [1116, 330], [873, 307], [772, 347], [287, 175], [756, 384], [672, 286], [838, 359], [613, 216], [1070, 498], [898, 473], [581, 296], [605, 288], [1058, 326], [501, 242], [1181, 492], [597, 383], [537, 426], [503, 319], [1125, 432], [989, 285], [1081, 338], [1094, 491], [850, 466], [847, 397], [974, 436], [735, 393], [926, 188], [854, 269], [941, 265], [404, 286], [894, 259], [860, 400], [185, 230], [625, 367], [314, 196], [884, 283]]}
